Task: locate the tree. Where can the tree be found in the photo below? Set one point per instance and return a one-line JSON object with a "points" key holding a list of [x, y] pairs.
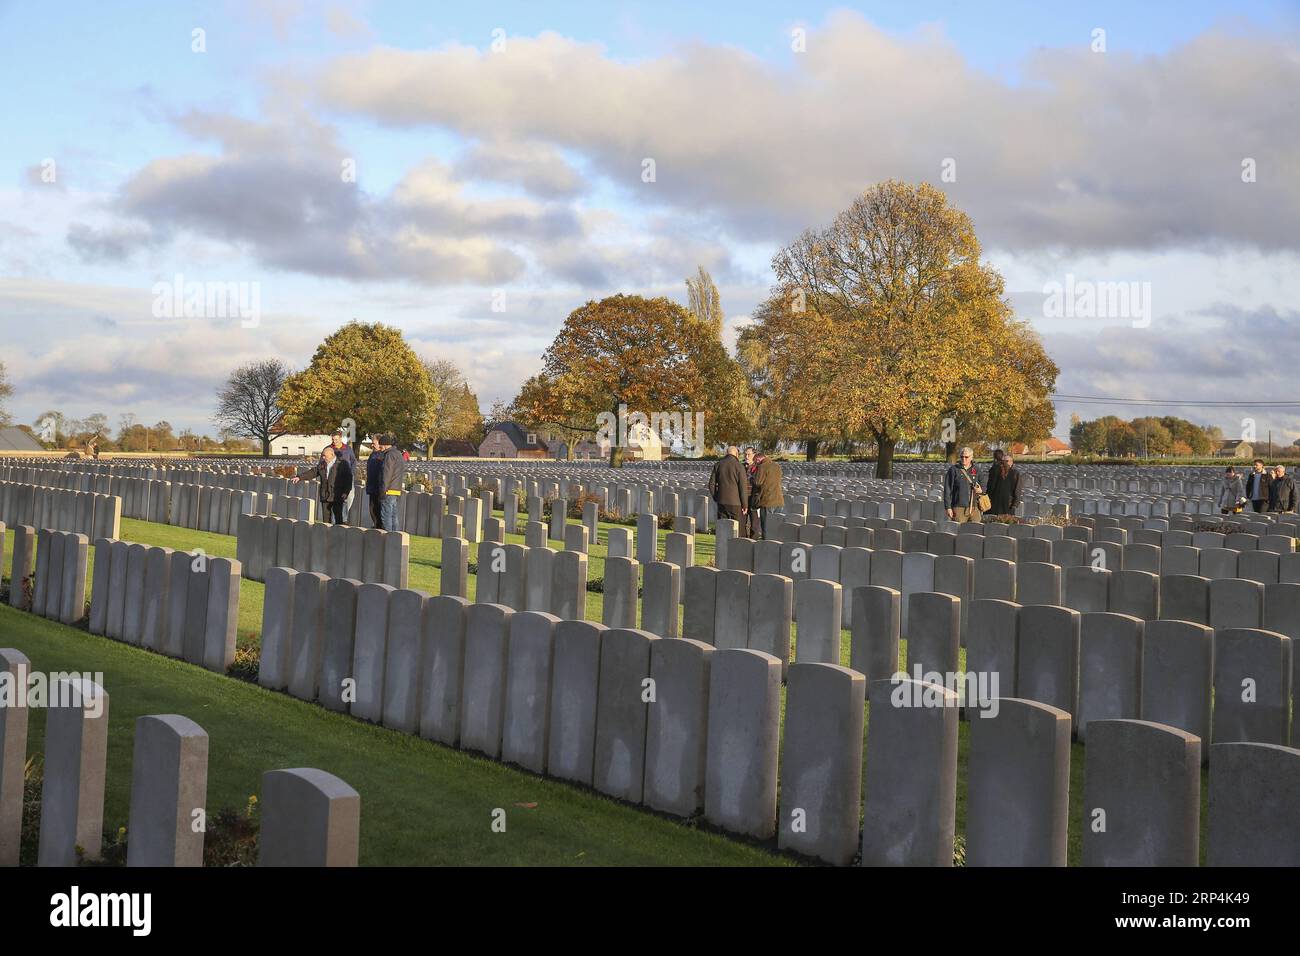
{"points": [[6, 390], [367, 373], [879, 311], [648, 355], [249, 403], [457, 415], [1005, 379], [703, 299]]}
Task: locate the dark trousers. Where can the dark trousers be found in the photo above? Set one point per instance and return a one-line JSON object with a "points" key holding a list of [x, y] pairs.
{"points": [[1259, 504], [757, 523], [732, 512], [335, 510], [376, 520]]}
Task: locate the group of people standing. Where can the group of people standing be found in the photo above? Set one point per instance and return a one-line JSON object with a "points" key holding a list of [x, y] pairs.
{"points": [[1262, 488], [745, 491], [336, 470], [966, 498]]}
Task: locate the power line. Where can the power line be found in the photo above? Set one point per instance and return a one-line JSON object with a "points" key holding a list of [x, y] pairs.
{"points": [[1157, 402]]}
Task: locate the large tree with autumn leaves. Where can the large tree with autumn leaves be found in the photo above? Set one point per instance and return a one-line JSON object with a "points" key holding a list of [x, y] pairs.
{"points": [[650, 355], [886, 322]]}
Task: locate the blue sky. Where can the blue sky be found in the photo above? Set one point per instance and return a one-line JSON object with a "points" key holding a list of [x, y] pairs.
{"points": [[513, 176]]}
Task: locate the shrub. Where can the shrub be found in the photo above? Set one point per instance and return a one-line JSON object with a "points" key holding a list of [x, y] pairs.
{"points": [[666, 519], [246, 664]]}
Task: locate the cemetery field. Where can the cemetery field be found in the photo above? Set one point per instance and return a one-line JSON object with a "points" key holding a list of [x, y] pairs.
{"points": [[422, 804]]}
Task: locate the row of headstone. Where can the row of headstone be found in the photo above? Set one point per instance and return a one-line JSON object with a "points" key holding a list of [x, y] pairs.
{"points": [[181, 604], [58, 575], [339, 551], [308, 817], [81, 512]]}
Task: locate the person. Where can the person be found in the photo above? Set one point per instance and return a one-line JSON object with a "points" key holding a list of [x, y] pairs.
{"points": [[94, 449], [960, 488], [1232, 492], [990, 480], [1282, 493], [748, 527], [375, 480], [335, 477], [1004, 486], [343, 452], [1257, 483], [392, 481], [765, 493], [729, 487]]}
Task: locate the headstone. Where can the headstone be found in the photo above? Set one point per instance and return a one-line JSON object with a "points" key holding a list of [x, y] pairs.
{"points": [[911, 775], [169, 781], [1254, 792], [821, 766], [1110, 668], [621, 718], [72, 795], [575, 678], [526, 725], [676, 727], [1048, 666], [1141, 795], [15, 669], [1177, 675], [1252, 686], [309, 818], [743, 732], [487, 631], [1018, 784]]}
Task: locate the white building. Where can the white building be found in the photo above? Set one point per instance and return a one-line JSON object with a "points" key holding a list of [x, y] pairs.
{"points": [[299, 445]]}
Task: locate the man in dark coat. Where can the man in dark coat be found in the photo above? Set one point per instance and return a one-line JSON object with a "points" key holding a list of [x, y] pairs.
{"points": [[335, 476], [1004, 487], [765, 493], [960, 486], [729, 487], [393, 478], [343, 452], [1282, 494], [375, 481], [1257, 482]]}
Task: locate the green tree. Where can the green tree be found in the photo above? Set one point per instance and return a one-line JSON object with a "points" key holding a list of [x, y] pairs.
{"points": [[367, 373], [875, 316], [457, 415], [703, 299], [651, 355]]}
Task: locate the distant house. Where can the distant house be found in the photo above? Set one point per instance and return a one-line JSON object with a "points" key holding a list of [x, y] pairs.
{"points": [[1235, 448], [1051, 448], [511, 440], [452, 448], [300, 446], [15, 439]]}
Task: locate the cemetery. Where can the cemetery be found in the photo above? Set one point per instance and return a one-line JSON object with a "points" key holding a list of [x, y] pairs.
{"points": [[1119, 643]]}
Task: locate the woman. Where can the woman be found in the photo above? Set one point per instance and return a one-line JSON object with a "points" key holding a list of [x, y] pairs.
{"points": [[1004, 487], [1232, 492]]}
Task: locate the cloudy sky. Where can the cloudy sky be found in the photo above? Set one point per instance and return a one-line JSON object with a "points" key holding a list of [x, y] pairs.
{"points": [[473, 172]]}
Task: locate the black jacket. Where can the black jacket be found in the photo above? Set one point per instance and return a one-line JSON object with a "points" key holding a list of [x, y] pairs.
{"points": [[1257, 485], [394, 470], [1282, 495], [729, 485], [334, 485], [1004, 493]]}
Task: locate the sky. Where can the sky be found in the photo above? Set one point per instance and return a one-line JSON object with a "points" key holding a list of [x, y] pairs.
{"points": [[471, 173]]}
